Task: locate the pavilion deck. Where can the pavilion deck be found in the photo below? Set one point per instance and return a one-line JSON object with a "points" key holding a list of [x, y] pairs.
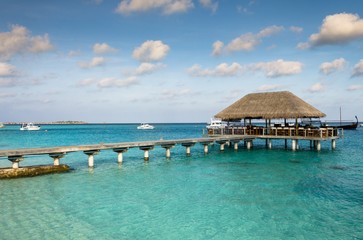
{"points": [[308, 133]]}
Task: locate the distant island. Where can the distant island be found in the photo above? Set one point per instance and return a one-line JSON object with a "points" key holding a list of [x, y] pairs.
{"points": [[56, 122]]}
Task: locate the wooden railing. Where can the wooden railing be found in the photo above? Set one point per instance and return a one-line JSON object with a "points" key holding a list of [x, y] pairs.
{"points": [[277, 131]]}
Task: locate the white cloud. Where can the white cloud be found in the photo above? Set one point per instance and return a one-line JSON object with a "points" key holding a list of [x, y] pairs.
{"points": [[222, 70], [167, 6], [330, 67], [358, 69], [278, 68], [147, 68], [95, 62], [296, 29], [246, 42], [217, 48], [19, 41], [354, 87], [8, 82], [170, 94], [209, 4], [86, 82], [6, 70], [265, 88], [317, 87], [336, 29], [151, 51], [101, 48], [119, 83], [7, 95], [74, 53]]}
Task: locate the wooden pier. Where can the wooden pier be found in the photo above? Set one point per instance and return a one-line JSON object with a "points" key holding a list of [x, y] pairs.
{"points": [[232, 138], [17, 155]]}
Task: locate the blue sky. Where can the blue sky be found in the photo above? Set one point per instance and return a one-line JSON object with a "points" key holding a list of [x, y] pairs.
{"points": [[175, 60]]}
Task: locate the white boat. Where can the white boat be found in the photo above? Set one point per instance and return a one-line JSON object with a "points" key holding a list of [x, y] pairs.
{"points": [[216, 123], [1, 125], [29, 127], [145, 126]]}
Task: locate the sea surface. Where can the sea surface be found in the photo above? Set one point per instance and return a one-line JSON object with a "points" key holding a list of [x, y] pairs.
{"points": [[249, 194]]}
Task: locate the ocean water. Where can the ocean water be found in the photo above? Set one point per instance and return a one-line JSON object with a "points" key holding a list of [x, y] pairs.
{"points": [[248, 194]]}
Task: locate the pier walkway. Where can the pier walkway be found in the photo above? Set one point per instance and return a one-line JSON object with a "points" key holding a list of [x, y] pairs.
{"points": [[232, 137]]}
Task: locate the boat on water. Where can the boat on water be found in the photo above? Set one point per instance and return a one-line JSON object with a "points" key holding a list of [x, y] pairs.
{"points": [[145, 126], [1, 125], [216, 123], [29, 127], [343, 124]]}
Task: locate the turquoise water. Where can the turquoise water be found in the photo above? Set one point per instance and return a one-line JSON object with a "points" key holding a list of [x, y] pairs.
{"points": [[249, 194]]}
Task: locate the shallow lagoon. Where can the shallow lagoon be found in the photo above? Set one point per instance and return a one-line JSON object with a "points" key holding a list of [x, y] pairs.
{"points": [[249, 194]]}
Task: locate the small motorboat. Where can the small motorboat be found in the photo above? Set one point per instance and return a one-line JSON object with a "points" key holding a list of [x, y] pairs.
{"points": [[1, 125], [29, 127], [216, 124], [145, 126]]}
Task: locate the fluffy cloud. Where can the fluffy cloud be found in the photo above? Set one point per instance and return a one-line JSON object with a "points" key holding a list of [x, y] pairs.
{"points": [[209, 4], [19, 40], [272, 87], [354, 87], [114, 82], [167, 6], [330, 67], [358, 69], [221, 70], [245, 42], [151, 51], [7, 82], [296, 29], [6, 70], [95, 62], [170, 94], [278, 68], [101, 48], [336, 29], [86, 82], [317, 87], [147, 68]]}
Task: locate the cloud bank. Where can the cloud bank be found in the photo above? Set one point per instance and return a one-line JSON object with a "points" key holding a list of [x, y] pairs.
{"points": [[330, 67], [20, 41], [166, 6], [151, 51], [336, 29], [245, 42]]}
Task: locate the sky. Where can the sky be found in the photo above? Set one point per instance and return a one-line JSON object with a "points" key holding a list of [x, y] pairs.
{"points": [[132, 61]]}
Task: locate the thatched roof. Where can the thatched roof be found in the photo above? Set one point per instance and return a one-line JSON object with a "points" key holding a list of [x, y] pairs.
{"points": [[269, 105]]}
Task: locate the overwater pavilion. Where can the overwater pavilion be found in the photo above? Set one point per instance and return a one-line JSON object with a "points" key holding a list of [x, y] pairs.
{"points": [[274, 106]]}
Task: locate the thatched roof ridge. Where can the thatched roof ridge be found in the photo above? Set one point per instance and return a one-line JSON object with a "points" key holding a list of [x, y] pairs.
{"points": [[269, 105]]}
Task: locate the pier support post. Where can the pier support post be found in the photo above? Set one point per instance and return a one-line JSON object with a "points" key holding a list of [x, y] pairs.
{"points": [[249, 143], [221, 143], [187, 146], [15, 160], [205, 146], [146, 151], [318, 145], [167, 149], [293, 144], [56, 157], [333, 144], [269, 143], [91, 160], [235, 145], [119, 152]]}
